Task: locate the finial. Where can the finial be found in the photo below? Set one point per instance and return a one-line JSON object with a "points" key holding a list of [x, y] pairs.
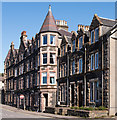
{"points": [[49, 7]]}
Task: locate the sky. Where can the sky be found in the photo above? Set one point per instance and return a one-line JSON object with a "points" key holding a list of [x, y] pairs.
{"points": [[29, 16]]}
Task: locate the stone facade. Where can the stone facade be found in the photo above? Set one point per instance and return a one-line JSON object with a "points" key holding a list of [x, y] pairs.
{"points": [[88, 78], [83, 64], [31, 70], [1, 88]]}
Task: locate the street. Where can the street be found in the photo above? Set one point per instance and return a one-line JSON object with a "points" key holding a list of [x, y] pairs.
{"points": [[11, 113]]}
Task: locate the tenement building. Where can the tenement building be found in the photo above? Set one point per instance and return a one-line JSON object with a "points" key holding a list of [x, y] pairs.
{"points": [[31, 70], [61, 68], [87, 71]]}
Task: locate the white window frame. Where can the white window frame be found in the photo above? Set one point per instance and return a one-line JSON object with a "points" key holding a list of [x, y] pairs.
{"points": [[43, 59], [52, 74], [44, 74], [53, 57], [53, 39], [43, 39]]}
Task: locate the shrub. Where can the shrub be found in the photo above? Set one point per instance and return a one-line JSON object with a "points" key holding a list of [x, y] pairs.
{"points": [[101, 108]]}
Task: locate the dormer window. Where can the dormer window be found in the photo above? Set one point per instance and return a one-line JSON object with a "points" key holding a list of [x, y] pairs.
{"points": [[80, 42], [44, 39], [73, 46], [52, 39], [92, 36], [96, 34]]}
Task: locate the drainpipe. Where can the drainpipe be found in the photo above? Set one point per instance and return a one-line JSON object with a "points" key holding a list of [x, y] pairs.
{"points": [[85, 81], [67, 80], [102, 71], [24, 103], [57, 81]]}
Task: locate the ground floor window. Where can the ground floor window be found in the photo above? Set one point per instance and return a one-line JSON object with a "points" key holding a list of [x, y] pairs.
{"points": [[94, 91], [36, 99]]}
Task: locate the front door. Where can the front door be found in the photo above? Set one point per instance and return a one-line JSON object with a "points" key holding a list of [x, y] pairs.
{"points": [[72, 95], [46, 99], [80, 95]]}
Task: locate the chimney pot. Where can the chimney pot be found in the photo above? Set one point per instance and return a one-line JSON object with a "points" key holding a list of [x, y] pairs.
{"points": [[23, 33]]}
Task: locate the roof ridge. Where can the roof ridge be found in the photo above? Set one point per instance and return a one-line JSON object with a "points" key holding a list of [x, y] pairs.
{"points": [[107, 18]]}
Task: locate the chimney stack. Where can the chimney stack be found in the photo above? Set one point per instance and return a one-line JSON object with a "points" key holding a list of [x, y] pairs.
{"points": [[23, 33], [23, 36], [79, 26], [12, 45], [86, 28]]}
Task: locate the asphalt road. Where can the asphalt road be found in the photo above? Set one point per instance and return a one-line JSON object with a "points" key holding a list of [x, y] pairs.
{"points": [[11, 113]]}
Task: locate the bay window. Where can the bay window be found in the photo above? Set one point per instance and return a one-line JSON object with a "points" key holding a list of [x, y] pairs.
{"points": [[44, 39], [45, 58], [44, 78], [52, 40], [52, 58], [52, 78]]}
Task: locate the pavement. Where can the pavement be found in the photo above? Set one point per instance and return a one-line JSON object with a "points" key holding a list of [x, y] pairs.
{"points": [[12, 113]]}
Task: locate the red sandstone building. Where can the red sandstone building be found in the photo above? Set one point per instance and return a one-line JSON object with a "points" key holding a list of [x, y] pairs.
{"points": [[31, 70]]}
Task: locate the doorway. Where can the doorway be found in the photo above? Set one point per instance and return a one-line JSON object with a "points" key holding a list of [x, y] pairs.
{"points": [[46, 99], [72, 95], [80, 95]]}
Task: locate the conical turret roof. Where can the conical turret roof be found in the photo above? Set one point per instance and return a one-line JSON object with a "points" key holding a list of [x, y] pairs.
{"points": [[49, 22]]}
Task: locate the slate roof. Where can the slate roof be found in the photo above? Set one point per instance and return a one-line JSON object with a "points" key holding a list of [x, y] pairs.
{"points": [[15, 51], [64, 32], [108, 22], [8, 55], [49, 22]]}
